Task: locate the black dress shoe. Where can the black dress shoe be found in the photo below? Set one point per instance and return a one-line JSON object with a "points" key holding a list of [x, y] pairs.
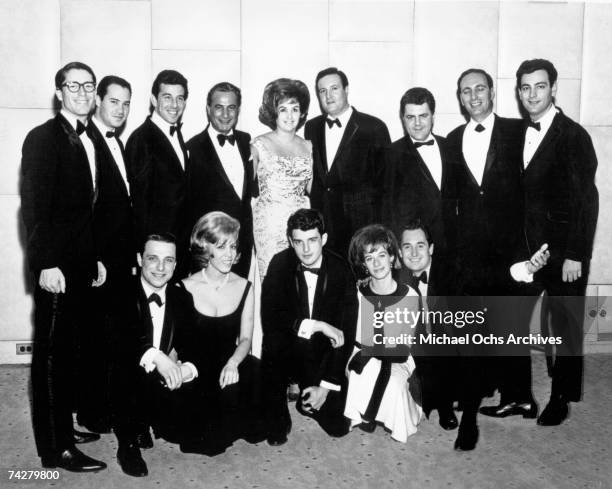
{"points": [[554, 413], [367, 426], [293, 392], [279, 437], [448, 420], [144, 440], [73, 460], [204, 447], [527, 410], [466, 438], [81, 437], [95, 426], [131, 461]]}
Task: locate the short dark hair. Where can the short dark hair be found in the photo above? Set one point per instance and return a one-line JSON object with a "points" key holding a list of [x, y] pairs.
{"points": [[417, 96], [531, 65], [414, 225], [367, 238], [159, 237], [211, 229], [169, 77], [305, 220], [279, 91], [469, 71], [109, 80], [60, 76], [332, 70], [224, 87]]}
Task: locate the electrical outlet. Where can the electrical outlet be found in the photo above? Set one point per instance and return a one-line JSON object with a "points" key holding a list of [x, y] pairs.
{"points": [[24, 348]]}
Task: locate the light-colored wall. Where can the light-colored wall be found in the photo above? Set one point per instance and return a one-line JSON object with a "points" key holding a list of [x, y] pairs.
{"points": [[384, 46]]}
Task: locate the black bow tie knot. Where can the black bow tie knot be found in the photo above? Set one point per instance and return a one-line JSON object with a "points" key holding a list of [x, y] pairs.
{"points": [[80, 128], [175, 128], [418, 144], [313, 270], [155, 298], [535, 125], [421, 278], [333, 122], [479, 128], [224, 137], [110, 134]]}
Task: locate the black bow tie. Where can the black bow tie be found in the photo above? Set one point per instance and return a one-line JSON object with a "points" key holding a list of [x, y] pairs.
{"points": [[155, 298], [479, 128], [80, 128], [224, 137], [421, 278], [331, 122], [418, 144], [110, 134], [535, 125], [175, 128], [311, 270]]}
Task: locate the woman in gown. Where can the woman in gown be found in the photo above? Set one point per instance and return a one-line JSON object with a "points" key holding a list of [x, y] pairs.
{"points": [[227, 406], [282, 165], [381, 388]]}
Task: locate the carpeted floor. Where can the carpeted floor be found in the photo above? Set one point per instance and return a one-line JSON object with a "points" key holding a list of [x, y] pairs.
{"points": [[511, 453]]}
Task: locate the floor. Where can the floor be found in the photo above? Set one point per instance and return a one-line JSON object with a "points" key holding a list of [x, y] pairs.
{"points": [[511, 453]]}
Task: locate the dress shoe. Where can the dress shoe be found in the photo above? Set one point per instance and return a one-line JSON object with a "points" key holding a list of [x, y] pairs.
{"points": [[466, 438], [200, 446], [131, 461], [73, 460], [554, 413], [278, 438], [293, 392], [144, 440], [95, 426], [448, 420], [367, 426], [81, 437], [526, 409]]}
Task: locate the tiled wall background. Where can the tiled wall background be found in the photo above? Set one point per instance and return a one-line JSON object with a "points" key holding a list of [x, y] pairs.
{"points": [[384, 46]]}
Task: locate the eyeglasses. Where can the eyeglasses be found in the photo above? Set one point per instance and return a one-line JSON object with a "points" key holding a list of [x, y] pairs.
{"points": [[74, 87]]}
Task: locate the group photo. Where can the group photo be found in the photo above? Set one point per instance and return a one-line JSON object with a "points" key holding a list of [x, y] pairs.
{"points": [[319, 243]]}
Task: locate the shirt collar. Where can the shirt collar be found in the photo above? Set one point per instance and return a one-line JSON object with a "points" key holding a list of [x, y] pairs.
{"points": [[71, 118], [547, 119], [344, 117], [213, 133], [316, 264], [103, 128], [487, 122], [150, 290], [161, 123], [429, 138]]}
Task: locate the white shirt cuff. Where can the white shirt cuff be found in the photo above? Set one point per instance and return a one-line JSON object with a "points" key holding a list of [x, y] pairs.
{"points": [[328, 385], [147, 359], [192, 369], [305, 330], [520, 273]]}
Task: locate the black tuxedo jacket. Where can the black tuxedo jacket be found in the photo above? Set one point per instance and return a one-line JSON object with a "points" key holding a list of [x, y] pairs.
{"points": [[284, 304], [57, 198], [410, 191], [158, 185], [209, 189], [488, 218], [349, 193], [561, 200], [113, 209]]}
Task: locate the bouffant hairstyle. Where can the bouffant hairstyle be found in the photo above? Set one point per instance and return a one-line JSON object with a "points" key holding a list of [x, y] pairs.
{"points": [[367, 239], [279, 91], [213, 229]]}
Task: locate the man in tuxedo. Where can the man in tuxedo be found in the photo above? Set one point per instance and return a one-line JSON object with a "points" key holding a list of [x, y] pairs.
{"points": [[561, 208], [113, 235], [428, 278], [416, 172], [348, 152], [58, 192], [309, 314], [157, 358], [156, 159], [485, 183], [219, 173]]}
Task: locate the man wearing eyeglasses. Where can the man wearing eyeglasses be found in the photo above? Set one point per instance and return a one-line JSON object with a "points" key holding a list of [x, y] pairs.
{"points": [[58, 192]]}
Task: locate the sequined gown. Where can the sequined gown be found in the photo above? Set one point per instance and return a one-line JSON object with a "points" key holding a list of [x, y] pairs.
{"points": [[282, 188]]}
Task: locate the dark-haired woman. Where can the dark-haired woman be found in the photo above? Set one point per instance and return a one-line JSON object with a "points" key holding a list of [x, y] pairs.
{"points": [[283, 166]]}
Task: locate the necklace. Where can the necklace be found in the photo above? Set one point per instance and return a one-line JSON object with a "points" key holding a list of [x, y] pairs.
{"points": [[219, 285]]}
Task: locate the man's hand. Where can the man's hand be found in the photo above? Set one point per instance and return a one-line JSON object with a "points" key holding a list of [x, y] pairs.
{"points": [[313, 398], [571, 271], [52, 280], [170, 371], [101, 275], [335, 335], [539, 259], [229, 374]]}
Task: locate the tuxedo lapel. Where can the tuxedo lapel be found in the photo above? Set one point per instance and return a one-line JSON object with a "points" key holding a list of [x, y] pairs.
{"points": [[463, 162], [320, 146], [165, 343], [492, 152], [414, 155], [213, 157], [301, 290], [145, 313], [165, 147], [321, 290], [103, 153], [349, 132], [549, 138], [245, 154]]}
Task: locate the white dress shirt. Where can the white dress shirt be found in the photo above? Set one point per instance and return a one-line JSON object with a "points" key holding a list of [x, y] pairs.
{"points": [[230, 158], [333, 136], [476, 145], [113, 146], [432, 158], [174, 140], [533, 138], [87, 144]]}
